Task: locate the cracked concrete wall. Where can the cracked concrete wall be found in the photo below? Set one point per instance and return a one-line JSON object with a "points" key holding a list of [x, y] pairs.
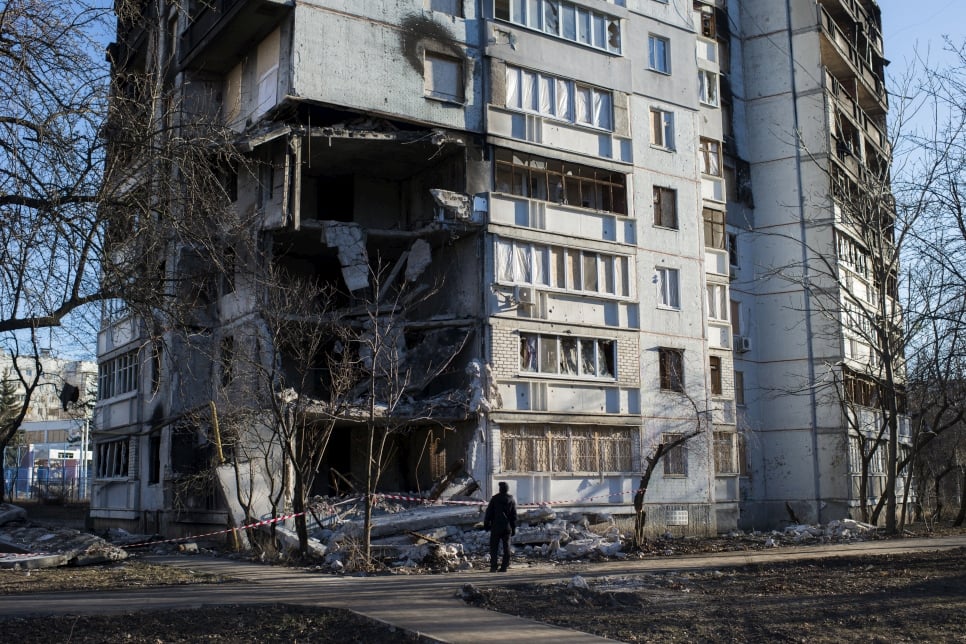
{"points": [[385, 42]]}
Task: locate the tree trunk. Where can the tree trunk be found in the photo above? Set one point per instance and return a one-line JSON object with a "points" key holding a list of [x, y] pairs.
{"points": [[962, 502]]}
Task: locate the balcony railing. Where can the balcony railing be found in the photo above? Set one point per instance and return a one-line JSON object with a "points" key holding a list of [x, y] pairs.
{"points": [[858, 64]]}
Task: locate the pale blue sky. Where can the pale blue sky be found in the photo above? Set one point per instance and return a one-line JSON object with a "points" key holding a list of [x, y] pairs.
{"points": [[908, 23]]}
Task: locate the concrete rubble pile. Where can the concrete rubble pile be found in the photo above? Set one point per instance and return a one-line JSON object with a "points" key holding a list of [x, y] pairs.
{"points": [[29, 545], [836, 531], [452, 536]]}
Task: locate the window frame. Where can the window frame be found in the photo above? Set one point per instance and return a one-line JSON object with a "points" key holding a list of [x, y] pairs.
{"points": [[536, 348], [430, 79], [562, 448], [558, 179], [659, 62], [709, 150], [714, 370], [119, 375], [574, 22], [709, 91], [669, 290], [671, 369], [726, 453], [661, 196], [662, 128], [676, 458], [718, 301], [740, 388], [112, 459], [599, 104], [715, 234], [561, 268]]}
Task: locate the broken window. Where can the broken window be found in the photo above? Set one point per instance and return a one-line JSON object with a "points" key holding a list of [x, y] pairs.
{"points": [[565, 182], [710, 153], [566, 355], [671, 363], [112, 459], [668, 287], [665, 207], [443, 77], [715, 368], [708, 87], [154, 458], [565, 20], [676, 458], [117, 376], [714, 228], [563, 448]]}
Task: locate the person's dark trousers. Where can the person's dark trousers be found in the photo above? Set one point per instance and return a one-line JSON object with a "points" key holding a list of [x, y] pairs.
{"points": [[495, 541]]}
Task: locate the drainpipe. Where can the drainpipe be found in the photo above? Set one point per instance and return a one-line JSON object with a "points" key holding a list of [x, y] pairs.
{"points": [[813, 415]]}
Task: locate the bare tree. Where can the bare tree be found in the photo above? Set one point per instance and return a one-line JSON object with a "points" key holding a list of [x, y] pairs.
{"points": [[659, 451], [102, 180]]}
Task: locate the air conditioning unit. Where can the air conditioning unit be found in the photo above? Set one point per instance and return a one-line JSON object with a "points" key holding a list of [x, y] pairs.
{"points": [[525, 295], [742, 344]]}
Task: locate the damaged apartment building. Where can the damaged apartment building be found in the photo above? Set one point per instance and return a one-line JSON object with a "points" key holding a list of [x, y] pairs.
{"points": [[549, 201]]}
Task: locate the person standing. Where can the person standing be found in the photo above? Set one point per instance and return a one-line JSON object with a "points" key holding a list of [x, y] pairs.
{"points": [[501, 521]]}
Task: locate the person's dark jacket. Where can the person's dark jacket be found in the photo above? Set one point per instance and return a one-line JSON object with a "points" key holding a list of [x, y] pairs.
{"points": [[501, 514]]}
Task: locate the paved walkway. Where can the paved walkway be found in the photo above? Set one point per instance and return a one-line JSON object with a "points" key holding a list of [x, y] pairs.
{"points": [[424, 604]]}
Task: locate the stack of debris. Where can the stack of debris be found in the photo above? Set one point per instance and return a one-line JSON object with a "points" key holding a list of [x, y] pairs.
{"points": [[29, 545], [451, 536]]}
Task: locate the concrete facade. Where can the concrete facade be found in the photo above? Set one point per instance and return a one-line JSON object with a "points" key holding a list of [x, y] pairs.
{"points": [[589, 182]]}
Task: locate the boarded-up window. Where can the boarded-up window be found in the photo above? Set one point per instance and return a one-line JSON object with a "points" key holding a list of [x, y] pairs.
{"points": [[443, 77], [725, 453], [715, 366], [665, 207]]}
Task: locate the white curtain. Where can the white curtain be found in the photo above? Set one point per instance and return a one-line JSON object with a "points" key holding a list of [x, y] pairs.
{"points": [[564, 99], [512, 87], [546, 95], [582, 105], [529, 80]]}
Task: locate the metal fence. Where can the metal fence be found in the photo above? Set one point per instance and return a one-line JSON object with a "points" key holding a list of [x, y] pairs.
{"points": [[20, 487]]}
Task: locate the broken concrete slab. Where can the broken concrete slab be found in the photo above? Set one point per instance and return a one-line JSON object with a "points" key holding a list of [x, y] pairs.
{"points": [[10, 513], [420, 257], [349, 240], [11, 561], [75, 547]]}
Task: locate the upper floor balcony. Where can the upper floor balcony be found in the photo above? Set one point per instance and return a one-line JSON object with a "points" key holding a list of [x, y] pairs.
{"points": [[846, 53], [865, 16], [218, 30], [869, 131]]}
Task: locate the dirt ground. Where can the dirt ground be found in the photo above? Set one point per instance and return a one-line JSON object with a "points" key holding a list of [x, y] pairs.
{"points": [[904, 598], [898, 598]]}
